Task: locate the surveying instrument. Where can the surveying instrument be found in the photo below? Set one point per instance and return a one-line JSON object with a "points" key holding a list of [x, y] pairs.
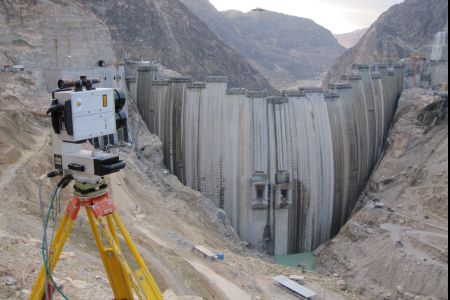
{"points": [[81, 112]]}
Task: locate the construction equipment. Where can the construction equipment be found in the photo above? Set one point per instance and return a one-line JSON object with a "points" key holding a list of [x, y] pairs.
{"points": [[415, 57], [81, 112]]}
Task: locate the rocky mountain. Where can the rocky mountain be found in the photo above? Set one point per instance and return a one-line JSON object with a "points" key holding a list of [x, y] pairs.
{"points": [[350, 39], [286, 49], [403, 28], [62, 33]]}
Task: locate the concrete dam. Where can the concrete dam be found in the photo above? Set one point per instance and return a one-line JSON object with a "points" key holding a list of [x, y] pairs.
{"points": [[287, 170]]}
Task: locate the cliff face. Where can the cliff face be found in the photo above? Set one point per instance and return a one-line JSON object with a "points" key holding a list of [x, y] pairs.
{"points": [[60, 33], [284, 48], [44, 35], [403, 28]]}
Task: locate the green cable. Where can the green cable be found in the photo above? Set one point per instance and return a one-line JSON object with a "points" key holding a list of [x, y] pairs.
{"points": [[44, 256]]}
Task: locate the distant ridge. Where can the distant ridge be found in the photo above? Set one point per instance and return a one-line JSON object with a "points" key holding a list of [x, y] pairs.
{"points": [[350, 39], [285, 49]]}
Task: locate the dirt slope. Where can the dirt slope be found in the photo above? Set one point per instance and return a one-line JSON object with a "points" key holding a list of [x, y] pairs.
{"points": [[396, 247], [165, 219]]}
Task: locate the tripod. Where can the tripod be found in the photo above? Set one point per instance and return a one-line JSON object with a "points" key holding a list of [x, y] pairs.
{"points": [[103, 218]]}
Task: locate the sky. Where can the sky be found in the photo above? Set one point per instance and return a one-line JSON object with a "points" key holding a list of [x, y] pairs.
{"points": [[339, 16]]}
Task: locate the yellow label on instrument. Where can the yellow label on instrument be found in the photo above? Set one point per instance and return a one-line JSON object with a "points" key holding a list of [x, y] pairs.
{"points": [[105, 101]]}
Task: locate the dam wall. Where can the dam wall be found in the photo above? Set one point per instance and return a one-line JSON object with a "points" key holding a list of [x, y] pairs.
{"points": [[287, 170]]}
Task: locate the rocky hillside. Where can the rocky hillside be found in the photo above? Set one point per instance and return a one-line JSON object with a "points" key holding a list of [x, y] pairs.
{"points": [[350, 39], [403, 28], [396, 246], [286, 49], [62, 33]]}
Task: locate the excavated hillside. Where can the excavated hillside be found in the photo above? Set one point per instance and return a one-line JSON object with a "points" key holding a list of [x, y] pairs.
{"points": [[65, 34], [396, 246], [49, 34], [404, 28], [165, 218], [285, 49]]}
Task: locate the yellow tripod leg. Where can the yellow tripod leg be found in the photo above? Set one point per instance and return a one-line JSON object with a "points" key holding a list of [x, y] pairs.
{"points": [[113, 231], [62, 234], [146, 280], [120, 282], [122, 260]]}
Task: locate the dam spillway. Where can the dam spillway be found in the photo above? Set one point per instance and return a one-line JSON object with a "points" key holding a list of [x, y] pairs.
{"points": [[287, 170]]}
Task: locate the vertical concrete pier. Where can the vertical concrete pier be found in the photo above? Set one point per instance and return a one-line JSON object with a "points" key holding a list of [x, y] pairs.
{"points": [[145, 76], [341, 159], [231, 149], [350, 146], [279, 173], [260, 181], [383, 70], [195, 96], [157, 104], [363, 71], [379, 112]]}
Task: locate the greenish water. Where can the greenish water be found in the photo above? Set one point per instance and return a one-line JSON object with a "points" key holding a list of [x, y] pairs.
{"points": [[308, 260]]}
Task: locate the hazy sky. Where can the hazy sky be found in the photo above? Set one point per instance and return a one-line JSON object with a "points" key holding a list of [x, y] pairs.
{"points": [[339, 16]]}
